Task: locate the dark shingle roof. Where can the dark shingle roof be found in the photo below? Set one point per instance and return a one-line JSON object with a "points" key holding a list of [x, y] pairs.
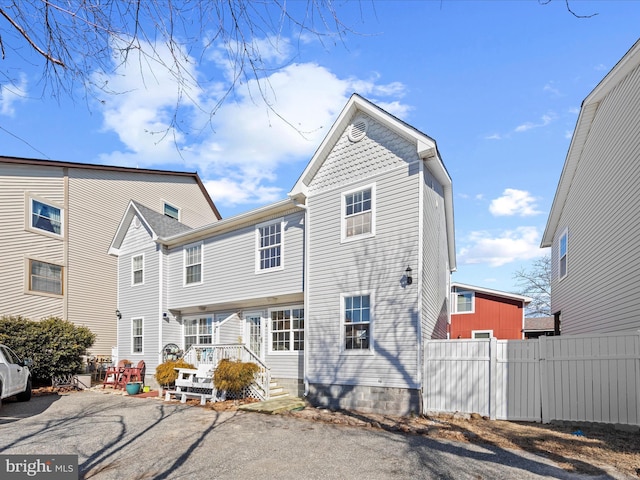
{"points": [[538, 323], [162, 225]]}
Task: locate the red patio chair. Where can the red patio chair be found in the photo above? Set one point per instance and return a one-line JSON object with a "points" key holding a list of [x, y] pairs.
{"points": [[113, 374]]}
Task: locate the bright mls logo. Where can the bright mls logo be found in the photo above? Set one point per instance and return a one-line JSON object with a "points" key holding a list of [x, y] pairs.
{"points": [[58, 467]]}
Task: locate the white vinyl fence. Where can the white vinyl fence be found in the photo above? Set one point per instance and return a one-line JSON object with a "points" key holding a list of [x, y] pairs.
{"points": [[585, 378]]}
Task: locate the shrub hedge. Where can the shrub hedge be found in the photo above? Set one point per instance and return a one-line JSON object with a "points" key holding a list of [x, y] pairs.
{"points": [[166, 373], [233, 376], [56, 346]]}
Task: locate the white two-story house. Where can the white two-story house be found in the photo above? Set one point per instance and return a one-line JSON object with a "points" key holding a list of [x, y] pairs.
{"points": [[334, 290]]}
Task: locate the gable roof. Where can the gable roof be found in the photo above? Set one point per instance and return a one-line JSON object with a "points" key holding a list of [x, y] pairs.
{"points": [[583, 126], [488, 291], [110, 168], [160, 225], [426, 150]]}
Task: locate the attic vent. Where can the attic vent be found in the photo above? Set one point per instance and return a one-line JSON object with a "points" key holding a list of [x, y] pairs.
{"points": [[358, 130], [136, 222]]}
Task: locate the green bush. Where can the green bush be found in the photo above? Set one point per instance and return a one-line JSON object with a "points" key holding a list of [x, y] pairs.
{"points": [[166, 373], [56, 346], [233, 376]]}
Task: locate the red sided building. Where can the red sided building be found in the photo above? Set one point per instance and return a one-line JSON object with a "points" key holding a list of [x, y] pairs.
{"points": [[478, 312]]}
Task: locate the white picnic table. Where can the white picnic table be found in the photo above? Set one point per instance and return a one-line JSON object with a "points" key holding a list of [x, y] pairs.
{"points": [[194, 383]]}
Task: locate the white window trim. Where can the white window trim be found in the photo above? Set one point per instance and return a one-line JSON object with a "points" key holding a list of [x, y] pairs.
{"points": [[258, 270], [184, 264], [198, 334], [454, 303], [371, 349], [565, 233], [291, 330], [27, 278], [473, 334], [29, 217], [343, 225], [133, 336], [165, 203], [133, 284]]}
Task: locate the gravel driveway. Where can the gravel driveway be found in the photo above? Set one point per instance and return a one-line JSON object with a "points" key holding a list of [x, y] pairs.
{"points": [[123, 438]]}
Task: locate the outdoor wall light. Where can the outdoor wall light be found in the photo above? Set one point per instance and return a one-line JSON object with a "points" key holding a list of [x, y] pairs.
{"points": [[165, 316], [118, 314], [408, 274]]}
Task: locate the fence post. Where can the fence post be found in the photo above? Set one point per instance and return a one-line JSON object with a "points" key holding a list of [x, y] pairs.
{"points": [[493, 373], [544, 387]]}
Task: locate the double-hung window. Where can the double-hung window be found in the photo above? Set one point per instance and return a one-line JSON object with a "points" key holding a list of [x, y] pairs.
{"points": [[287, 329], [562, 254], [198, 331], [356, 321], [137, 270], [46, 217], [136, 335], [45, 277], [193, 264], [463, 301], [269, 239], [358, 213]]}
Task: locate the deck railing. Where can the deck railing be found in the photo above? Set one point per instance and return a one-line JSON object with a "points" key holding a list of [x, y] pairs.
{"points": [[212, 354]]}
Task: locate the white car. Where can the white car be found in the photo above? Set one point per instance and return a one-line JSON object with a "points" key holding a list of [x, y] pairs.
{"points": [[15, 377]]}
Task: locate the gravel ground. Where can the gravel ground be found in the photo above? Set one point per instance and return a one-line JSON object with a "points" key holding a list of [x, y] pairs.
{"points": [[117, 437]]}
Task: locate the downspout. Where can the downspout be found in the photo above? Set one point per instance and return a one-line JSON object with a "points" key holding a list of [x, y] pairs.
{"points": [[305, 289], [160, 300]]}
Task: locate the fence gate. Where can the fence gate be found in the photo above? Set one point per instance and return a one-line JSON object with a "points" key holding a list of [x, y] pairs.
{"points": [[582, 378]]}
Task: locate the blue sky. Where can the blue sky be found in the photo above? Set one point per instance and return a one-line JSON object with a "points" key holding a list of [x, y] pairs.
{"points": [[497, 84]]}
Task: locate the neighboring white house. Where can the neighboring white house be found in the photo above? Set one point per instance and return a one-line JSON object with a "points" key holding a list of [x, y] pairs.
{"points": [[335, 289], [594, 225], [57, 221]]}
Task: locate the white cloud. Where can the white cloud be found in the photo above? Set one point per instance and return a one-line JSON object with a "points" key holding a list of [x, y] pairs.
{"points": [[551, 88], [266, 124], [10, 94], [514, 202], [481, 247], [495, 136], [544, 121]]}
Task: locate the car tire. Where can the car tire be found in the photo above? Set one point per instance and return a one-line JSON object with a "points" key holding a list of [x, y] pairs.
{"points": [[26, 395]]}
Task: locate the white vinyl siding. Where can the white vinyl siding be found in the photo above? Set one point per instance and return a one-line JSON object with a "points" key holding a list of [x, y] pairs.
{"points": [[137, 338], [233, 255], [378, 264], [601, 291], [269, 246], [137, 270], [193, 264]]}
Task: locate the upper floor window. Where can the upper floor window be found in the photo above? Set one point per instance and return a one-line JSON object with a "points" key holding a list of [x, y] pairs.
{"points": [[137, 270], [171, 211], [287, 329], [193, 264], [463, 301], [46, 217], [562, 254], [269, 238], [136, 335], [357, 322], [358, 213], [45, 277]]}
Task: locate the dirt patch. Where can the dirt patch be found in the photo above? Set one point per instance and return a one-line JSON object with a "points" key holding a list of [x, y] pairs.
{"points": [[584, 449]]}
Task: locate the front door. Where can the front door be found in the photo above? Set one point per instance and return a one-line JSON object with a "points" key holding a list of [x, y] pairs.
{"points": [[254, 325]]}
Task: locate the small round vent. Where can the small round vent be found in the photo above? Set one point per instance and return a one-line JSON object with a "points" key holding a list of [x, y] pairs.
{"points": [[357, 130], [136, 222]]}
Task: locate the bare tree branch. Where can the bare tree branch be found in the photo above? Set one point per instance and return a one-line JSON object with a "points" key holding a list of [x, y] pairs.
{"points": [[536, 284]]}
